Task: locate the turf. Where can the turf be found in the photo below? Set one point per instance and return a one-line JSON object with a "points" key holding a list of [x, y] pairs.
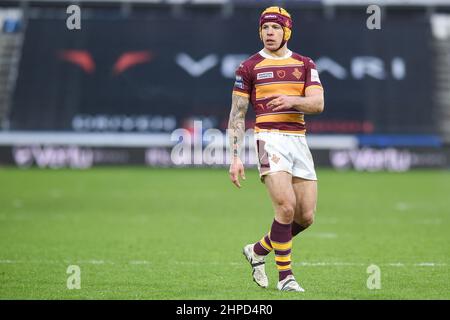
{"points": [[139, 233]]}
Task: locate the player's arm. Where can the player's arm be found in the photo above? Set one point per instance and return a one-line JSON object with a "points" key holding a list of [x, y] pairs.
{"points": [[311, 103], [236, 131]]}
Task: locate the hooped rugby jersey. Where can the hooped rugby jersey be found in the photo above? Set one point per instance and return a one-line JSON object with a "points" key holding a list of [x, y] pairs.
{"points": [[262, 76]]}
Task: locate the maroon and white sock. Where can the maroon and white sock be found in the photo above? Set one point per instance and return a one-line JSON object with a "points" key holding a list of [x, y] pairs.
{"points": [[281, 240], [296, 228], [263, 247]]}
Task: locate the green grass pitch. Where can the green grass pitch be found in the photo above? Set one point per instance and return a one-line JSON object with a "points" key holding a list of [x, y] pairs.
{"points": [[140, 233]]}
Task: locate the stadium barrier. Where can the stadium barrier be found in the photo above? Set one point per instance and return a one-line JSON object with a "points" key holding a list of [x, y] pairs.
{"points": [[209, 148]]}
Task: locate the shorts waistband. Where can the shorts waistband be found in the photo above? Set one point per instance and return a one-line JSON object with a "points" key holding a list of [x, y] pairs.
{"points": [[281, 133]]}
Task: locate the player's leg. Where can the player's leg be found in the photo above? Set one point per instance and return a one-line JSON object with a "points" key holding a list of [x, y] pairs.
{"points": [[278, 182], [263, 246], [279, 187], [274, 166], [265, 146], [305, 208], [306, 202], [278, 162], [281, 191], [304, 182]]}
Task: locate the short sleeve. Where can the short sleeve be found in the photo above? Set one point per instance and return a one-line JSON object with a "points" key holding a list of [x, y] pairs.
{"points": [[312, 75], [243, 84]]}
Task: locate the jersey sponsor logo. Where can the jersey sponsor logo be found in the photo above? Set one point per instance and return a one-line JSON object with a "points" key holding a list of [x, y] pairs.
{"points": [[281, 74], [239, 84], [264, 75], [297, 74], [315, 76]]}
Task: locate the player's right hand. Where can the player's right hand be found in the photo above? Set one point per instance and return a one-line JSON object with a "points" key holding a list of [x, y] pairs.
{"points": [[236, 171]]}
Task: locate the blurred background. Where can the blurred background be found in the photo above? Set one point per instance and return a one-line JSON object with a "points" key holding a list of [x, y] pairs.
{"points": [[112, 90]]}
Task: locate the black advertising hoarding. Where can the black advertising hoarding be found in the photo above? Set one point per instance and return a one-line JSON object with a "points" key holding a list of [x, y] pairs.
{"points": [[85, 157], [157, 75]]}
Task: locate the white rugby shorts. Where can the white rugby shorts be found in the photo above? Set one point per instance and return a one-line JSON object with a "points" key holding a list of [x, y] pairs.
{"points": [[277, 151]]}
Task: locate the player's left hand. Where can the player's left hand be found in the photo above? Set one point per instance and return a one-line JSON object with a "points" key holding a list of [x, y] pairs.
{"points": [[281, 102]]}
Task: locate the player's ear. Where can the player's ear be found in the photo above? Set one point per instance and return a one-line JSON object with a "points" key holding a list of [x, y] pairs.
{"points": [[287, 33]]}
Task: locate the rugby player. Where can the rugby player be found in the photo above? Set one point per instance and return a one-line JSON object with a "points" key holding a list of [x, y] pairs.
{"points": [[282, 87]]}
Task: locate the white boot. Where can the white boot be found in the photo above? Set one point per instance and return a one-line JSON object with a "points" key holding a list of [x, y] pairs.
{"points": [[258, 266]]}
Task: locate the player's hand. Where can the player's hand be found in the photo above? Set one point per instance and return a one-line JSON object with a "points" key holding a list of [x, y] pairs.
{"points": [[236, 171], [281, 102]]}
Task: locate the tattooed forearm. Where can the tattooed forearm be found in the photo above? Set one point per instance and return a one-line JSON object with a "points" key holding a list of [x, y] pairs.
{"points": [[236, 123]]}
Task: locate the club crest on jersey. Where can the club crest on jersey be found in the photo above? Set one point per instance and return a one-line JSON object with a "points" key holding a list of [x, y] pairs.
{"points": [[275, 158], [264, 75], [281, 74], [297, 74]]}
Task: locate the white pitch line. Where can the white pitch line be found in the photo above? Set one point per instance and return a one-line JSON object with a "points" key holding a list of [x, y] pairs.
{"points": [[429, 264], [403, 206], [196, 263], [139, 262], [396, 264], [327, 264], [322, 235], [7, 262], [93, 262]]}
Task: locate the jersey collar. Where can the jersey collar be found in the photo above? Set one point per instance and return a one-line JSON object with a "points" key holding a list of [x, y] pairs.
{"points": [[267, 56]]}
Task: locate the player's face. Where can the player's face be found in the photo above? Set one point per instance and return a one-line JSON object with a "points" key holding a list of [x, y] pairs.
{"points": [[272, 35]]}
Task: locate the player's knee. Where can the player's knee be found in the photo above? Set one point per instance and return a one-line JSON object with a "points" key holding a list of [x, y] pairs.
{"points": [[308, 220], [286, 210]]}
